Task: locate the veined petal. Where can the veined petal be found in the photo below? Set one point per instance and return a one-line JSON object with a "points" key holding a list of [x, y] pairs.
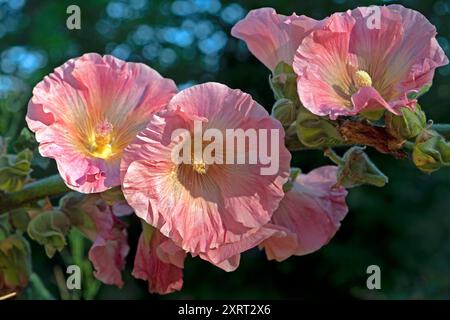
{"points": [[272, 37], [88, 110]]}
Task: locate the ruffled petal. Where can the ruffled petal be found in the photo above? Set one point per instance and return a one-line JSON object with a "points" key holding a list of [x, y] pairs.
{"points": [[310, 214], [272, 37], [70, 105], [159, 262]]}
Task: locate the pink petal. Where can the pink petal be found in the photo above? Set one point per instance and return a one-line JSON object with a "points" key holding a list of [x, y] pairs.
{"points": [[162, 275], [110, 246], [226, 257], [272, 37], [309, 215]]}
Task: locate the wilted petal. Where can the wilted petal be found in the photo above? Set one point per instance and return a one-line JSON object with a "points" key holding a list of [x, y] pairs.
{"points": [[272, 37], [309, 215], [159, 261]]}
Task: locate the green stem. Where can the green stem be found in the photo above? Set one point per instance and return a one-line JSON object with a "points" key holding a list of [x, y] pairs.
{"points": [[40, 288], [47, 187], [333, 156], [441, 127]]}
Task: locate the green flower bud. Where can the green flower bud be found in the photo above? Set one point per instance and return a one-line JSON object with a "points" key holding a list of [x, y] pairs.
{"points": [[284, 82], [15, 170], [409, 125], [316, 132], [25, 140], [357, 169], [373, 115], [50, 229], [284, 110], [19, 219], [431, 151], [15, 263]]}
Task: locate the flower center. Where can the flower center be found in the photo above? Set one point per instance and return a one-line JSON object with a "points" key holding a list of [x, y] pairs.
{"points": [[100, 144], [362, 79], [200, 167]]}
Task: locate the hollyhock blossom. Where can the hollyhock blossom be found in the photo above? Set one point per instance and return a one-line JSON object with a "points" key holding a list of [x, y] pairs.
{"points": [[272, 37], [88, 110], [204, 207], [355, 63], [95, 218], [308, 216], [159, 261]]}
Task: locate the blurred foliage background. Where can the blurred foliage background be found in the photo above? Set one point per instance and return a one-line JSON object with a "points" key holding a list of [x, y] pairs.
{"points": [[404, 227]]}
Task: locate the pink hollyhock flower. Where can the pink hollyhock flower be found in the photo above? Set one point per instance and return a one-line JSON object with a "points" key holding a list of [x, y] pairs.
{"points": [[159, 261], [88, 110], [355, 64], [97, 221], [201, 206], [272, 37], [308, 216]]}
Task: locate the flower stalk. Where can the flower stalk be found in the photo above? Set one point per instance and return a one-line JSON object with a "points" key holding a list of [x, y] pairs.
{"points": [[47, 187]]}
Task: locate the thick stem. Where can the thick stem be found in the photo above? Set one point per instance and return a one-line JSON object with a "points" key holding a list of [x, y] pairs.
{"points": [[47, 187], [333, 156], [441, 127]]}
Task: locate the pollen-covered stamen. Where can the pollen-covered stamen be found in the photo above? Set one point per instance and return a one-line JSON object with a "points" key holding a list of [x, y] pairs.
{"points": [[200, 167], [101, 141], [362, 79]]}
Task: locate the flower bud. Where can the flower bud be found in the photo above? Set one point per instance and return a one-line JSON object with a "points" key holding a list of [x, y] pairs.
{"points": [[357, 169], [14, 170], [431, 151], [284, 110], [316, 132], [49, 229], [15, 262], [409, 125], [284, 82]]}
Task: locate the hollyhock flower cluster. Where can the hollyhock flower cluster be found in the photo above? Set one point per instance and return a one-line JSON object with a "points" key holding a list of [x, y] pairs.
{"points": [[214, 211], [108, 123], [346, 64]]}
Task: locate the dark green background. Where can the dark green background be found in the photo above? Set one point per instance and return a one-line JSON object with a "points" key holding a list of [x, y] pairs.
{"points": [[404, 227]]}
